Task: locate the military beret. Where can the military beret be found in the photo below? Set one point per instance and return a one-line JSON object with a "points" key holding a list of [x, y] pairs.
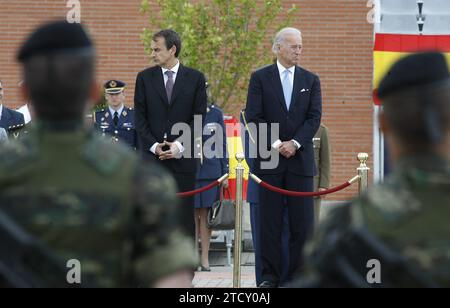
{"points": [[114, 86], [416, 70], [55, 37]]}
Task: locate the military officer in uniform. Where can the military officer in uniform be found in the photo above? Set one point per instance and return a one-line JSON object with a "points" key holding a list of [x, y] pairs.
{"points": [[397, 234], [83, 198], [8, 117], [322, 156], [117, 120], [211, 167]]}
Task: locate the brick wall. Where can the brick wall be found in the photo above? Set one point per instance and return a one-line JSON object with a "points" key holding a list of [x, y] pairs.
{"points": [[337, 46]]}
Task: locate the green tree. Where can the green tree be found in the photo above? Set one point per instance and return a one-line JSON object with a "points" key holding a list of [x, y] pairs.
{"points": [[225, 39]]}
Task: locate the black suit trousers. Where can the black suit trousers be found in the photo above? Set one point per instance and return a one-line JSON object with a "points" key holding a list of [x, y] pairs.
{"points": [[301, 223], [186, 182]]}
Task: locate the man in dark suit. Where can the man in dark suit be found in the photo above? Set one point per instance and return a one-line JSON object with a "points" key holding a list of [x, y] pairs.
{"points": [[166, 95], [287, 96], [9, 118]]}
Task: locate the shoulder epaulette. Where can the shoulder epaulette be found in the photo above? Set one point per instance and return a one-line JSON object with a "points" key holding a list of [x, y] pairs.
{"points": [[15, 127]]}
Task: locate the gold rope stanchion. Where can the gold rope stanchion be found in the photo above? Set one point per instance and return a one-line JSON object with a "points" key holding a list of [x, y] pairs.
{"points": [[238, 223], [363, 172]]}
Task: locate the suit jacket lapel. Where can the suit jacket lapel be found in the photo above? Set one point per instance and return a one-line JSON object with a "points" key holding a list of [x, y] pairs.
{"points": [[158, 82], [276, 84], [299, 84], [180, 81]]}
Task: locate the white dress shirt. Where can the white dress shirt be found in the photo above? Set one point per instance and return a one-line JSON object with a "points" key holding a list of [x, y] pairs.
{"points": [[119, 111], [281, 70], [166, 78], [173, 69], [26, 113]]}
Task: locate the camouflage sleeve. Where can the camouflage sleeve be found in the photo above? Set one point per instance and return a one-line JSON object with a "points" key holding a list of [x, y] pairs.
{"points": [[159, 248], [325, 160]]}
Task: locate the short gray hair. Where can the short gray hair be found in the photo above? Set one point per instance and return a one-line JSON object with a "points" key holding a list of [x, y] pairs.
{"points": [[281, 35]]}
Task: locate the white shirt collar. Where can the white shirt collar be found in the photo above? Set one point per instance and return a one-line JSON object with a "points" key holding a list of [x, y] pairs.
{"points": [[281, 68], [173, 69], [119, 111], [1, 110]]}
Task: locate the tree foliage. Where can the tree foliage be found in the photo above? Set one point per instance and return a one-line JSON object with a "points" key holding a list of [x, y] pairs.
{"points": [[225, 39]]}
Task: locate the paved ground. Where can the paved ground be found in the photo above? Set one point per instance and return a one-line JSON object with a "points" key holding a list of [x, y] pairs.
{"points": [[221, 275]]}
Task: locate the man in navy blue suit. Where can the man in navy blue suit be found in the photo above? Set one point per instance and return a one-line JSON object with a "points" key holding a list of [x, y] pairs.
{"points": [[117, 120], [249, 142], [9, 118], [286, 96]]}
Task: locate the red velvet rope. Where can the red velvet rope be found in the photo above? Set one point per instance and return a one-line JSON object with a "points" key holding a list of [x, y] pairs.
{"points": [[199, 190], [304, 194]]}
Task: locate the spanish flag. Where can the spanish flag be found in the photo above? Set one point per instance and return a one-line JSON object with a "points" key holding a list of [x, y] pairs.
{"points": [[389, 48], [234, 145]]}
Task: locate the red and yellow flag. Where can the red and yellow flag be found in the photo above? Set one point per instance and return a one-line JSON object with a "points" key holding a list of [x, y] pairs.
{"points": [[389, 48]]}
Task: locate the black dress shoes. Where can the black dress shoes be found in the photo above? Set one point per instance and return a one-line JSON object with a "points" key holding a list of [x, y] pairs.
{"points": [[204, 269], [268, 284]]}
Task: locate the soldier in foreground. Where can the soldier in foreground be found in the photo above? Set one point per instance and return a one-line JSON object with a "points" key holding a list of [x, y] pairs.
{"points": [[397, 235], [80, 196]]}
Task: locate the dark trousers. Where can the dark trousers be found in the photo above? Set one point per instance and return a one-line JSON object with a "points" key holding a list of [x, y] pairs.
{"points": [[256, 237], [285, 247], [300, 213], [186, 182]]}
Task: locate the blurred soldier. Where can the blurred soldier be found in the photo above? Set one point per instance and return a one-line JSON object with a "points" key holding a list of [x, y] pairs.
{"points": [[397, 235], [322, 155], [8, 117], [211, 167], [118, 120], [81, 196]]}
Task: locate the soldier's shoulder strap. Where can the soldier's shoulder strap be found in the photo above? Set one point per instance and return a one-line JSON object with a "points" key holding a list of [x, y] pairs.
{"points": [[98, 114], [129, 110], [14, 128]]}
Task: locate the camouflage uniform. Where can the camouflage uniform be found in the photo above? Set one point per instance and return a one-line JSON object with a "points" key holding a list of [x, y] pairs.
{"points": [[409, 213], [322, 158], [93, 201]]}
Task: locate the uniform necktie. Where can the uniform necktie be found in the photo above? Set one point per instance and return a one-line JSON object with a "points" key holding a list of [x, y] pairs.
{"points": [[169, 84], [116, 119], [287, 88]]}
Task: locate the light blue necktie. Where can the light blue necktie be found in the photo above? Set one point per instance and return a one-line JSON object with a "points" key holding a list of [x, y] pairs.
{"points": [[287, 88]]}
